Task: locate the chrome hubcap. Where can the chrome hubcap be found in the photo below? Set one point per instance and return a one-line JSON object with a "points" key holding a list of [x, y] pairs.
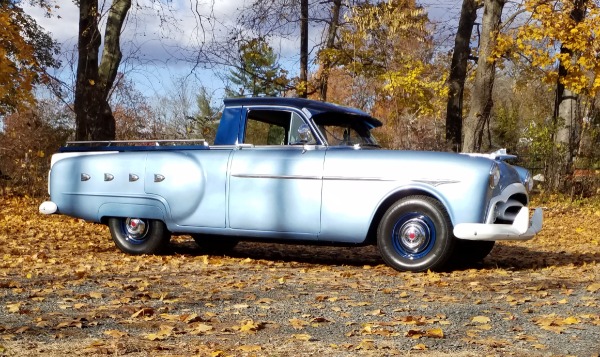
{"points": [[135, 229], [414, 235]]}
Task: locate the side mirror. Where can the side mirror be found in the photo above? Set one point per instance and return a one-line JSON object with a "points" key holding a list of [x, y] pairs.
{"points": [[304, 133]]}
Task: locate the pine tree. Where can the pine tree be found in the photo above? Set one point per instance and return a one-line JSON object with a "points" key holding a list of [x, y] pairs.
{"points": [[258, 72]]}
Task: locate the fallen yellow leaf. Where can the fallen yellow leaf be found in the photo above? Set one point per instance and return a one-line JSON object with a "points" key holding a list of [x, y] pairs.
{"points": [[249, 348], [298, 324], [435, 333], [96, 295], [15, 307], [200, 329], [375, 312], [249, 326], [594, 287], [419, 347], [146, 311], [115, 333], [366, 345], [302, 336], [155, 337], [481, 319]]}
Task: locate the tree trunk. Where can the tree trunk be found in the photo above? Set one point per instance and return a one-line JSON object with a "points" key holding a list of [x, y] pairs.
{"points": [[86, 102], [111, 56], [94, 118], [303, 48], [481, 98], [458, 72], [568, 128], [566, 115], [329, 43]]}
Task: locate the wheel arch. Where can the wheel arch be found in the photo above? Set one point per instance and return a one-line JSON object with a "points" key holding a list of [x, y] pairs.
{"points": [[395, 196], [123, 210]]}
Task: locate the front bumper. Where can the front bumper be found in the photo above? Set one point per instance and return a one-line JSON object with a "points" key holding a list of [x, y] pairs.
{"points": [[521, 229]]}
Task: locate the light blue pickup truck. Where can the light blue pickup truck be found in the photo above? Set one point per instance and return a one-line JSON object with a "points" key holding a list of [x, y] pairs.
{"points": [[289, 169]]}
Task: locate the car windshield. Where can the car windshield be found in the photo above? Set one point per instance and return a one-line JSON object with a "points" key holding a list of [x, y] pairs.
{"points": [[346, 130]]}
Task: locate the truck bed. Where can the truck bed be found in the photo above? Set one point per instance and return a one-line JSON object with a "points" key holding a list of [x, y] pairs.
{"points": [[133, 145]]}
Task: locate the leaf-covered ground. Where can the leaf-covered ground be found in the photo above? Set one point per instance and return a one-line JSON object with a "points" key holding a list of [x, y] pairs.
{"points": [[66, 290]]}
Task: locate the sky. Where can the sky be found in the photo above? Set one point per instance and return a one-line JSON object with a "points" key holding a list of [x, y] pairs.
{"points": [[156, 40]]}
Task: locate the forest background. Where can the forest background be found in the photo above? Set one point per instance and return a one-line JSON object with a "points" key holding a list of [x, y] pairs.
{"points": [[519, 75]]}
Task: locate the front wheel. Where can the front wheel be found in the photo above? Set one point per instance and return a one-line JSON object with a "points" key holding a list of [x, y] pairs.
{"points": [[415, 234], [139, 235]]}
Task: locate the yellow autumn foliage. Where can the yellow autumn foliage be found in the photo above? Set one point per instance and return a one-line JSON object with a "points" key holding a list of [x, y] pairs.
{"points": [[16, 62], [415, 82], [550, 28], [25, 52], [383, 63]]}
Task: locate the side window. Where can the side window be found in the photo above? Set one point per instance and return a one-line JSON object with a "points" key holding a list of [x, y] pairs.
{"points": [[261, 133], [272, 127], [295, 124]]}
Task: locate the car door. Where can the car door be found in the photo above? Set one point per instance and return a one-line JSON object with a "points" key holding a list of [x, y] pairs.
{"points": [[275, 186]]}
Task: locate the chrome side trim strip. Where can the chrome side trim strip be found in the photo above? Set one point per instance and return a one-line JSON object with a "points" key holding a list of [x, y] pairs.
{"points": [[436, 183], [283, 177], [428, 182], [342, 178]]}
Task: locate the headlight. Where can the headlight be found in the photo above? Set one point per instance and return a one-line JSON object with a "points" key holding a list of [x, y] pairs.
{"points": [[494, 176], [528, 182]]}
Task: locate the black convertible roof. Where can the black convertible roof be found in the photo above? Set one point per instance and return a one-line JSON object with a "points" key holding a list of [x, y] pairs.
{"points": [[315, 107]]}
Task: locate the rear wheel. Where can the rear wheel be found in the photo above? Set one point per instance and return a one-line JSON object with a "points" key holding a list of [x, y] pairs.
{"points": [[415, 234], [215, 243], [139, 235]]}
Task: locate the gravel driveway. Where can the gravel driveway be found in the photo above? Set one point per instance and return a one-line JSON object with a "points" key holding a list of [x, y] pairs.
{"points": [[64, 290]]}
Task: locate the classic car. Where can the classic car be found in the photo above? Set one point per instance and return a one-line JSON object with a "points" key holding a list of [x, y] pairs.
{"points": [[295, 170]]}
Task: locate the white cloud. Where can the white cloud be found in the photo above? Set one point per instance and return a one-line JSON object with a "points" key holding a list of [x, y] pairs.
{"points": [[157, 37], [63, 24]]}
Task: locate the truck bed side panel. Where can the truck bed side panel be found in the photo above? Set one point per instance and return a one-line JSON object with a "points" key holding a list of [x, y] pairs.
{"points": [[80, 185]]}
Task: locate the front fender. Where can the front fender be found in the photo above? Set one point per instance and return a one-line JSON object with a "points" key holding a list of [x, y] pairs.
{"points": [[411, 189]]}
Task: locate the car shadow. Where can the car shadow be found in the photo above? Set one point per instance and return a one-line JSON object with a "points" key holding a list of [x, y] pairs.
{"points": [[521, 257], [510, 257], [284, 252]]}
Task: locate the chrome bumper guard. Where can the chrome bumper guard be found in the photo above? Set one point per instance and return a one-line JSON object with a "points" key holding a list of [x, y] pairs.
{"points": [[521, 229]]}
